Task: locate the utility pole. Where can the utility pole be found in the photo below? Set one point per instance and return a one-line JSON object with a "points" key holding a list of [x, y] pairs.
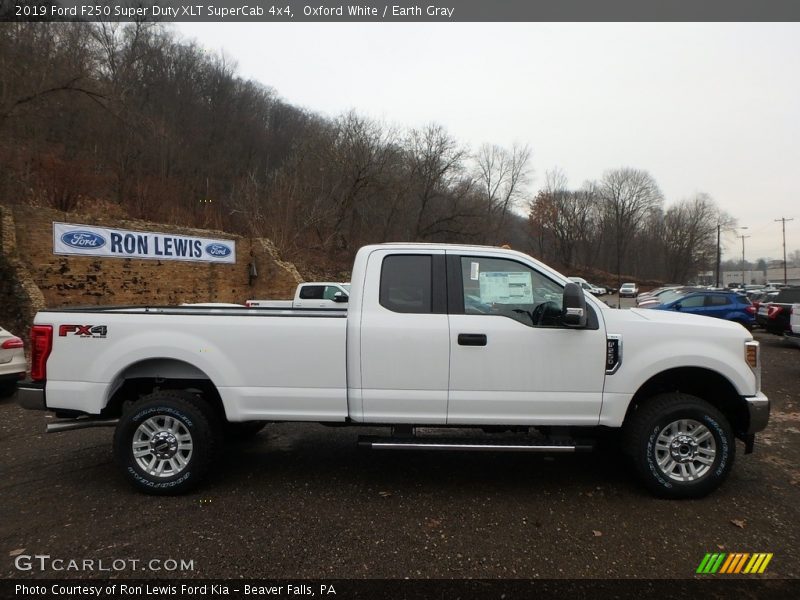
{"points": [[783, 224], [743, 236], [718, 254]]}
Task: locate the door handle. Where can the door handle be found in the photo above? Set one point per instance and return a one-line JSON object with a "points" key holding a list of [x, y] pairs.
{"points": [[471, 339]]}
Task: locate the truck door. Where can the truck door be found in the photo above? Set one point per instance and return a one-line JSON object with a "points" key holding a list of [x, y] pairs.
{"points": [[511, 360], [405, 339]]}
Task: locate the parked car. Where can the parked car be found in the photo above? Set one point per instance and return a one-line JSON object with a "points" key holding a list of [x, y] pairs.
{"points": [[12, 362], [592, 289], [794, 325], [730, 306], [645, 296], [628, 290], [311, 295], [774, 315]]}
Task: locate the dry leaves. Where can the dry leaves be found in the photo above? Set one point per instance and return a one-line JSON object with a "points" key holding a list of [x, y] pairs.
{"points": [[740, 523]]}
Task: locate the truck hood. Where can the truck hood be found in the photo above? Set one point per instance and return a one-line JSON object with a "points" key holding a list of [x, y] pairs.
{"points": [[678, 318]]}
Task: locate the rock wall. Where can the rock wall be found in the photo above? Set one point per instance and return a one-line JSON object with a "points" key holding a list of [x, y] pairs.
{"points": [[32, 277]]}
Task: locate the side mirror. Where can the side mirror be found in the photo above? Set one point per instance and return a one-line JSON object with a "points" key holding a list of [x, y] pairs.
{"points": [[340, 297], [573, 312], [677, 306]]}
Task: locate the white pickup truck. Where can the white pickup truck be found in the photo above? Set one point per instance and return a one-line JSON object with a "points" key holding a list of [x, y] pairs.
{"points": [[477, 339], [316, 294]]}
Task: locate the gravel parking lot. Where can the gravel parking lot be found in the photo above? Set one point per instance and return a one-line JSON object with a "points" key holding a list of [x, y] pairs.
{"points": [[302, 501]]}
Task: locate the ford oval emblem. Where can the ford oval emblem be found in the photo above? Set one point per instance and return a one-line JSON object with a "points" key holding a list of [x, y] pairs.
{"points": [[83, 240], [218, 250]]}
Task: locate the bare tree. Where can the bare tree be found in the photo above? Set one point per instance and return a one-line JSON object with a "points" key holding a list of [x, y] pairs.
{"points": [[502, 175], [628, 196]]}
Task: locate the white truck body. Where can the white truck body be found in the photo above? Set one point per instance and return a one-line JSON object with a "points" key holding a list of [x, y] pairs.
{"points": [[794, 325], [316, 294], [398, 356]]}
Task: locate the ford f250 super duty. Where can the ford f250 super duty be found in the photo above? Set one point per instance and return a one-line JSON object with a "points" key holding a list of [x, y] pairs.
{"points": [[475, 339]]}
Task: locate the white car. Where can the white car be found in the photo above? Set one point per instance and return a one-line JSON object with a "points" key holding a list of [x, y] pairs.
{"points": [[628, 290], [316, 294], [794, 325], [12, 362]]}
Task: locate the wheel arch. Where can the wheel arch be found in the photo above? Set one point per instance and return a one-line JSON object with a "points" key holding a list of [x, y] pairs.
{"points": [[151, 374], [707, 384]]}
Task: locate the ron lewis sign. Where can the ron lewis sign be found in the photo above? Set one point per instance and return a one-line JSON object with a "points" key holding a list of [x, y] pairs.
{"points": [[88, 240]]}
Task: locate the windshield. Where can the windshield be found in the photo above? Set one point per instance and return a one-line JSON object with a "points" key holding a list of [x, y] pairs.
{"points": [[346, 287]]}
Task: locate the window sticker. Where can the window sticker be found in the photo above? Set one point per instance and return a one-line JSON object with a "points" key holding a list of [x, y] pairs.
{"points": [[502, 287], [474, 269]]}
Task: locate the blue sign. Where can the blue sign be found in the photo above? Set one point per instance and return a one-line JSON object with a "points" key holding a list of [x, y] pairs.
{"points": [[83, 240], [218, 250]]}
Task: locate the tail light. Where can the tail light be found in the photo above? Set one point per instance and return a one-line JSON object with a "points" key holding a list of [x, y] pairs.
{"points": [[248, 304], [11, 343], [750, 309], [774, 311], [41, 345]]}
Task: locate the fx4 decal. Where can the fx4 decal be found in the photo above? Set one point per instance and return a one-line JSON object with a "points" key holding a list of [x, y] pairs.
{"points": [[94, 331]]}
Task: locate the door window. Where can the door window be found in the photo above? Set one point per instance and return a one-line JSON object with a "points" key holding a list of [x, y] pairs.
{"points": [[716, 301], [312, 292], [502, 287], [692, 302], [330, 291], [406, 283]]}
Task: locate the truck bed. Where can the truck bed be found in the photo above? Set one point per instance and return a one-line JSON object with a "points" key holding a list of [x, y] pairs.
{"points": [[264, 367]]}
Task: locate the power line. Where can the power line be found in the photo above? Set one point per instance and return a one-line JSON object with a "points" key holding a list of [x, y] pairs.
{"points": [[783, 226]]}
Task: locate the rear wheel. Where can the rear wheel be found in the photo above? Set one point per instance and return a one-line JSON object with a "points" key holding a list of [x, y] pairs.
{"points": [[681, 446], [165, 443]]}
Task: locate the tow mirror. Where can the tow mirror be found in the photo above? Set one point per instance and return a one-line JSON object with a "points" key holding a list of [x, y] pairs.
{"points": [[573, 312], [340, 297]]}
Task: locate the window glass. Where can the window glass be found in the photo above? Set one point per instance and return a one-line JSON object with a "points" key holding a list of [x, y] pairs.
{"points": [[406, 283], [692, 301], [496, 286], [330, 291], [716, 301], [312, 292]]}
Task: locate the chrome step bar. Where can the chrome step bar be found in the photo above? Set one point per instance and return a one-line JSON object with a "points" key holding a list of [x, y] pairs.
{"points": [[471, 445], [70, 424]]}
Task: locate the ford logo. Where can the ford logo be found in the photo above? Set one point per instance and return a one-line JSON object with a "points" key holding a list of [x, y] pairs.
{"points": [[83, 239], [218, 250]]}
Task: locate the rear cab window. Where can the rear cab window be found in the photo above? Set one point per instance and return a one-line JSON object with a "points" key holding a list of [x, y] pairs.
{"points": [[407, 283]]}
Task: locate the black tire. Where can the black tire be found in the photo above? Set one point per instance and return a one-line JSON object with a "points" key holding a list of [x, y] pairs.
{"points": [[188, 417], [652, 418], [244, 430]]}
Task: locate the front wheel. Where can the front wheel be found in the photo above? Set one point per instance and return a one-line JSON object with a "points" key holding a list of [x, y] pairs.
{"points": [[681, 446], [164, 443]]}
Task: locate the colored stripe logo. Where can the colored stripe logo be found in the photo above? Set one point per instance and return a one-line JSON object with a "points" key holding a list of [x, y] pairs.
{"points": [[734, 563]]}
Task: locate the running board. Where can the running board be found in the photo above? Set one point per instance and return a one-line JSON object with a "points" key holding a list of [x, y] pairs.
{"points": [[472, 445]]}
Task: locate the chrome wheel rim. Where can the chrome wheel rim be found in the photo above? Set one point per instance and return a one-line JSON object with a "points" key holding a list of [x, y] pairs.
{"points": [[685, 450], [162, 446]]}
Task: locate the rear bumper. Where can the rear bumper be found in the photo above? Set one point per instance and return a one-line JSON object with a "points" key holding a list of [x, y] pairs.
{"points": [[758, 407], [30, 395]]}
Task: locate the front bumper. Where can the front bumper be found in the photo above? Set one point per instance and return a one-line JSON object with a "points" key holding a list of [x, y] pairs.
{"points": [[758, 408], [30, 395]]}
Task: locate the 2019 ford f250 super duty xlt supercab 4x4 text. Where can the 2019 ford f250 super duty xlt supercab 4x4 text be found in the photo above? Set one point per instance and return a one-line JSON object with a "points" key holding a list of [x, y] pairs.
{"points": [[435, 336]]}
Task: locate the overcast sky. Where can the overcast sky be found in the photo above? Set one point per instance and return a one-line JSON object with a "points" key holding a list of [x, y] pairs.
{"points": [[703, 107]]}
